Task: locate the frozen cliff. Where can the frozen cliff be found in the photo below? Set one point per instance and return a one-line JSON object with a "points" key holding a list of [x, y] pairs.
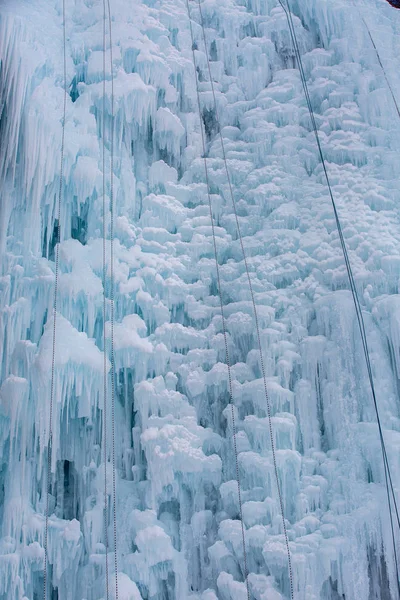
{"points": [[179, 531]]}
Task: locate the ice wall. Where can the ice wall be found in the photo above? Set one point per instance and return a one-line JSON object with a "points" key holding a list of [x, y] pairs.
{"points": [[177, 507]]}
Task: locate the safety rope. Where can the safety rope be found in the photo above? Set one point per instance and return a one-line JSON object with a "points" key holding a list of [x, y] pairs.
{"points": [[238, 228], [383, 68], [112, 305], [379, 60], [224, 330], [53, 357], [360, 318], [105, 372]]}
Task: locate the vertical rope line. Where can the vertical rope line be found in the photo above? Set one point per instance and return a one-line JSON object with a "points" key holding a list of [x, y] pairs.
{"points": [[379, 59], [360, 319], [53, 356], [383, 68], [227, 358], [112, 305], [105, 374], [280, 497]]}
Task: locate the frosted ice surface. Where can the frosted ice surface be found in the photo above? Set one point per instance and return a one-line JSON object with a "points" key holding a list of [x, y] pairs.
{"points": [[179, 533]]}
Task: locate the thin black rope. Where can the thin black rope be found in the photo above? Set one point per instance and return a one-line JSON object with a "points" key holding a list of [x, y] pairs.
{"points": [[379, 60], [360, 318], [281, 506], [105, 372], [224, 330], [112, 305], [53, 356], [383, 68]]}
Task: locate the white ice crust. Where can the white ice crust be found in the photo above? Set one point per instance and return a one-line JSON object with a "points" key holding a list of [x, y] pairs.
{"points": [[179, 534]]}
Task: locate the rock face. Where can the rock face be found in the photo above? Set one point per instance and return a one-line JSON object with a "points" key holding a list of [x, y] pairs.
{"points": [[177, 506]]}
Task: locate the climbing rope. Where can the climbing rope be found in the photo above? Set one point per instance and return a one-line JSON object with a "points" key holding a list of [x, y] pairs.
{"points": [[388, 478], [112, 306], [382, 67], [379, 60], [53, 356], [227, 358], [105, 372], [107, 17], [254, 309]]}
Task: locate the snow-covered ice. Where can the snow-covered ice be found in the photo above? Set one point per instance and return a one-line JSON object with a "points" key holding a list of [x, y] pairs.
{"points": [[177, 506]]}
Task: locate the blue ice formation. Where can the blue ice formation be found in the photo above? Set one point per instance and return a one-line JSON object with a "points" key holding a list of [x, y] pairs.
{"points": [[177, 499]]}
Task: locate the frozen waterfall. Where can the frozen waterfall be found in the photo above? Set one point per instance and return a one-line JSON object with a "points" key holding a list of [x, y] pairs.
{"points": [[177, 506]]}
